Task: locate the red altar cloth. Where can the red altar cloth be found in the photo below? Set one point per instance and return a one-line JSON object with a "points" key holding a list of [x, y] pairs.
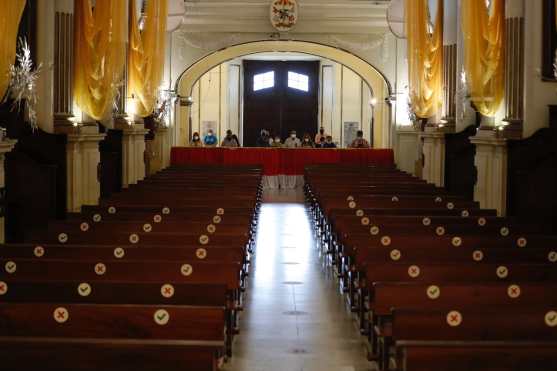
{"points": [[280, 161]]}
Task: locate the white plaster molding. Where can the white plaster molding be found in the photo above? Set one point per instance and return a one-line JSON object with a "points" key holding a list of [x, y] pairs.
{"points": [[5, 147], [133, 152], [407, 151], [434, 157]]}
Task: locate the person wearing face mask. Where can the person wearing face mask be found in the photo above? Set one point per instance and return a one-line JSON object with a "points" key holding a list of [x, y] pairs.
{"points": [[263, 140], [320, 135], [276, 142], [292, 141], [306, 141], [210, 139], [229, 140], [195, 140], [329, 142]]}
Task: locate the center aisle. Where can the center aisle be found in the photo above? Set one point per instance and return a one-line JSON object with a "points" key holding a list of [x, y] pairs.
{"points": [[294, 320]]}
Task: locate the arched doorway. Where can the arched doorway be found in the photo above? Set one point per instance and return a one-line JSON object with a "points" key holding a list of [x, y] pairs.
{"points": [[369, 74]]}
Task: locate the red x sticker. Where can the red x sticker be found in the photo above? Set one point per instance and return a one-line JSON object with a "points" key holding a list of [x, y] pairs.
{"points": [[38, 251], [513, 291], [61, 315], [167, 290], [413, 271], [100, 269], [478, 255], [454, 318], [3, 288]]}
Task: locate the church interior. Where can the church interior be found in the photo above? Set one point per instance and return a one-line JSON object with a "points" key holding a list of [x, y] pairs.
{"points": [[278, 185]]}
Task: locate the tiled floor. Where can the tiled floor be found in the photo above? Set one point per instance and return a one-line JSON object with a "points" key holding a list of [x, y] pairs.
{"points": [[294, 320]]}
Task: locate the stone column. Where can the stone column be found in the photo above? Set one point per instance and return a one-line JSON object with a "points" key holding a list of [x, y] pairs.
{"points": [[160, 150], [82, 161], [5, 147], [434, 156], [133, 152], [491, 164]]}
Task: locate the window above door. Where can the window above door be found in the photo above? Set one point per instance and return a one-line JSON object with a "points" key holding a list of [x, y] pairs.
{"points": [[298, 81], [264, 81]]}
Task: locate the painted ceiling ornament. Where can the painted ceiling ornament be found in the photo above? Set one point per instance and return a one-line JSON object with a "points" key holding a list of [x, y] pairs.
{"points": [[284, 14]]}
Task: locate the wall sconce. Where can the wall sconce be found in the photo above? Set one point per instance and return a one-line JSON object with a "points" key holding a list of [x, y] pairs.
{"points": [[186, 101], [373, 102]]}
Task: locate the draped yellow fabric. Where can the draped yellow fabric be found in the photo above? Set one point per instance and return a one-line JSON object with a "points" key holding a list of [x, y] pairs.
{"points": [[484, 55], [100, 54], [425, 58], [146, 55], [10, 15]]}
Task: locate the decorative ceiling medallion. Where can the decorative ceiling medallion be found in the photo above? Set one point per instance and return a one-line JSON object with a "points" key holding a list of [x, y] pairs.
{"points": [[284, 14]]}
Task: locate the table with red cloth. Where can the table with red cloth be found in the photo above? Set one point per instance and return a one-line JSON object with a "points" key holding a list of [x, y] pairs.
{"points": [[280, 162]]}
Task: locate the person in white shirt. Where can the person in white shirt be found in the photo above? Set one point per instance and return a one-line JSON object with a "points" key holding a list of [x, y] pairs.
{"points": [[319, 135], [292, 141]]}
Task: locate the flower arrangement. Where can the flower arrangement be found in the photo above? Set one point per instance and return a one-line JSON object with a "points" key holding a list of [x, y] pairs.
{"points": [[23, 81]]}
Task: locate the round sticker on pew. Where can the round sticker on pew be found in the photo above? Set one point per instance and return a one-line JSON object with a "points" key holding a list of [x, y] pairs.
{"points": [[161, 317], [413, 271], [513, 291], [61, 315], [10, 267], [112, 210], [396, 255], [395, 199], [84, 227], [478, 255], [365, 220], [454, 318], [426, 221], [97, 218], [450, 206], [84, 289], [386, 241], [3, 288], [482, 222], [201, 253], [147, 227], [551, 318], [62, 238], [157, 218], [134, 238], [374, 230], [167, 290], [440, 231], [100, 269], [211, 228], [359, 212], [433, 292], [166, 210], [217, 219], [438, 199], [220, 211], [552, 256], [504, 231], [186, 270], [465, 213], [352, 204], [119, 253], [457, 241], [38, 251], [522, 242], [350, 198], [204, 239], [502, 271]]}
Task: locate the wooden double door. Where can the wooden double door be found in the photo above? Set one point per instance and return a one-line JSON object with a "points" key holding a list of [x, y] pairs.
{"points": [[283, 106]]}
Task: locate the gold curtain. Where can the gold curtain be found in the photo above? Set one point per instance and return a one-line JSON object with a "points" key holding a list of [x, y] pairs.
{"points": [[10, 15], [425, 58], [146, 55], [484, 55], [100, 54]]}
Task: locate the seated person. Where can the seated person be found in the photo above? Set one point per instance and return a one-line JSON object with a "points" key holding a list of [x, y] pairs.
{"points": [[235, 138], [359, 142], [292, 141], [229, 140], [320, 143], [329, 142], [306, 142], [196, 140], [276, 142], [263, 140], [210, 139], [320, 135]]}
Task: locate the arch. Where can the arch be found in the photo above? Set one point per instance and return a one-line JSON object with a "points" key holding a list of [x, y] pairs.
{"points": [[375, 80]]}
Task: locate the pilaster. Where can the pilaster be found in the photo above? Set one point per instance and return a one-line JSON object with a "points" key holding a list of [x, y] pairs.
{"points": [[5, 147], [133, 153], [159, 151], [407, 152], [491, 165], [434, 156]]}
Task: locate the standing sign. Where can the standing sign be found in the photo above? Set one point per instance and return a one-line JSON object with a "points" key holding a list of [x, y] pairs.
{"points": [[349, 131]]}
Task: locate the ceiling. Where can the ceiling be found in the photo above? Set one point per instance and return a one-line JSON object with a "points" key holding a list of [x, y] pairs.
{"points": [[315, 16]]}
